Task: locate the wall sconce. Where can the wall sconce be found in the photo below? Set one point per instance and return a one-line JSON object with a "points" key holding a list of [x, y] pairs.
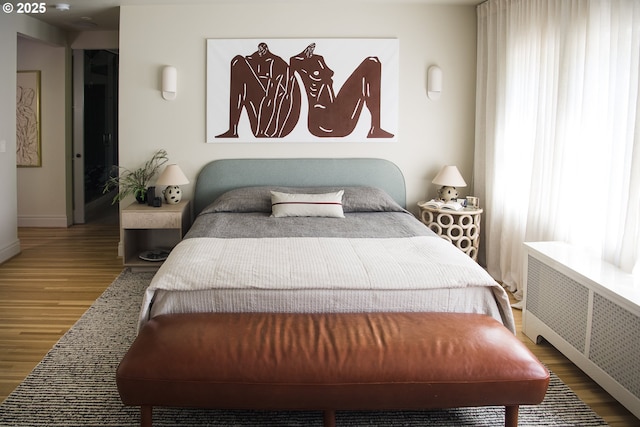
{"points": [[169, 83], [434, 82]]}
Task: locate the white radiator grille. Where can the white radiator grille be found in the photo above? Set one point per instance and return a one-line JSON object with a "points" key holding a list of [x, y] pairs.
{"points": [[615, 343], [591, 321], [558, 301]]}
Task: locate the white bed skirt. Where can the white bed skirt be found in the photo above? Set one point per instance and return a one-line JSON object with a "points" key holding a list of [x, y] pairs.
{"points": [[323, 275]]}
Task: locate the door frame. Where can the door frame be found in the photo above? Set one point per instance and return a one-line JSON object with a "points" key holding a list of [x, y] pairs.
{"points": [[77, 157]]}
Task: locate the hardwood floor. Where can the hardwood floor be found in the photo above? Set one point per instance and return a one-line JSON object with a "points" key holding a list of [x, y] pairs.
{"points": [[47, 287], [60, 272]]}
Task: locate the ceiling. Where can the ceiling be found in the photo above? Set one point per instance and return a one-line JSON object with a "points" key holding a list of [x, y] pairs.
{"points": [[104, 15]]}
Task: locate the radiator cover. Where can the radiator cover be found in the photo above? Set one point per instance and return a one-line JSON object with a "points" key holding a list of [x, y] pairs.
{"points": [[590, 311]]}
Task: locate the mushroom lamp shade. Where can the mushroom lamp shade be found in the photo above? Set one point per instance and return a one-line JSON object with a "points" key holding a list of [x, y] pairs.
{"points": [[172, 177], [449, 178]]}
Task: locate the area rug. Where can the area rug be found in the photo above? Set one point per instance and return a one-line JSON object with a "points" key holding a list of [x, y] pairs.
{"points": [[74, 385]]}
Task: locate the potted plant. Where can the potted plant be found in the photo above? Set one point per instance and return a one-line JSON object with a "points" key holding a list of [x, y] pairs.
{"points": [[135, 182]]}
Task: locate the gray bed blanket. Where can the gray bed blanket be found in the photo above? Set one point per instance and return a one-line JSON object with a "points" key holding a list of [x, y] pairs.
{"points": [[246, 213], [353, 225]]}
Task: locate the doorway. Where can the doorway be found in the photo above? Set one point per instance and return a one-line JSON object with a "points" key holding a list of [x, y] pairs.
{"points": [[95, 130]]}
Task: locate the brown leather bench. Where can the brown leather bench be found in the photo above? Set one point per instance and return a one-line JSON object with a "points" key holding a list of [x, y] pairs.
{"points": [[373, 361]]}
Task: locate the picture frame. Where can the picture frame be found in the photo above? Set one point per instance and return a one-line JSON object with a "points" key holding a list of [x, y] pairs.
{"points": [[257, 91], [28, 120]]}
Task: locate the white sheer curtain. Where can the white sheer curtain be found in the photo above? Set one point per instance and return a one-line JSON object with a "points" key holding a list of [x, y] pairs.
{"points": [[558, 129]]}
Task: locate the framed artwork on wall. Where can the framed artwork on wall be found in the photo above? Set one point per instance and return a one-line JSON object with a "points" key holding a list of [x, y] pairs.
{"points": [[302, 90], [28, 143]]}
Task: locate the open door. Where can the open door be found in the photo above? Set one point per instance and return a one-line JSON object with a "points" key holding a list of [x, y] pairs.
{"points": [[95, 113]]}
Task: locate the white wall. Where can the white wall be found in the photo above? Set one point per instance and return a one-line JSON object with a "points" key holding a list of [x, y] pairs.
{"points": [[431, 133], [94, 40], [9, 244], [10, 26], [42, 191]]}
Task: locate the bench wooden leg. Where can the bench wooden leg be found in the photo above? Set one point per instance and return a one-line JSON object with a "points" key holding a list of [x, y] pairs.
{"points": [[511, 416], [146, 416], [329, 418]]}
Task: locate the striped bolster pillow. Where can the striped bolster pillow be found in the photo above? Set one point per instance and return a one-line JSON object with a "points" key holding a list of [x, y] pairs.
{"points": [[327, 205]]}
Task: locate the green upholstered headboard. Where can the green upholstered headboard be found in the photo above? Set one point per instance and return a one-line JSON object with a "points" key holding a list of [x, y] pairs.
{"points": [[220, 176]]}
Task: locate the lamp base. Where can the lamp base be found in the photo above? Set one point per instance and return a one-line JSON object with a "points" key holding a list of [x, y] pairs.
{"points": [[448, 193], [172, 194]]}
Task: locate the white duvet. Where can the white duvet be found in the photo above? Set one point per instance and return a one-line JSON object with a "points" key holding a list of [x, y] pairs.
{"points": [[312, 263]]}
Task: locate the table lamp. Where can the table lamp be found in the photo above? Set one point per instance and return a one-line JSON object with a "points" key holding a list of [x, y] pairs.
{"points": [[172, 176], [449, 178]]}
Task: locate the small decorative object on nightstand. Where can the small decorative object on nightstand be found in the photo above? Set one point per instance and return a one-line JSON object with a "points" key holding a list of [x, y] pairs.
{"points": [[172, 176], [134, 182], [449, 178], [150, 233], [460, 227]]}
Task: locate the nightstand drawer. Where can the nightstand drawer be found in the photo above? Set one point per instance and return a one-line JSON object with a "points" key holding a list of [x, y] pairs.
{"points": [[156, 220]]}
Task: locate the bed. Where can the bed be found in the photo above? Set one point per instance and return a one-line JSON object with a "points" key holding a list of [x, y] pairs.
{"points": [[342, 241]]}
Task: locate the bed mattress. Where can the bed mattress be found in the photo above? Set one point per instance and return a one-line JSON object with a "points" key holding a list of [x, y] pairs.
{"points": [[372, 217]]}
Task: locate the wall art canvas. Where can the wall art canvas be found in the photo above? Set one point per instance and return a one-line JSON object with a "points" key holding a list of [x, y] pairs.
{"points": [[302, 90], [28, 145]]}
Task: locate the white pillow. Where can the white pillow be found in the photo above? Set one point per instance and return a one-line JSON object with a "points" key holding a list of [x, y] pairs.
{"points": [[328, 204]]}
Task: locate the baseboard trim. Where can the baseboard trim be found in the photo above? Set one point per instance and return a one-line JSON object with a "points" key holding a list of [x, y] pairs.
{"points": [[42, 221], [9, 251]]}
